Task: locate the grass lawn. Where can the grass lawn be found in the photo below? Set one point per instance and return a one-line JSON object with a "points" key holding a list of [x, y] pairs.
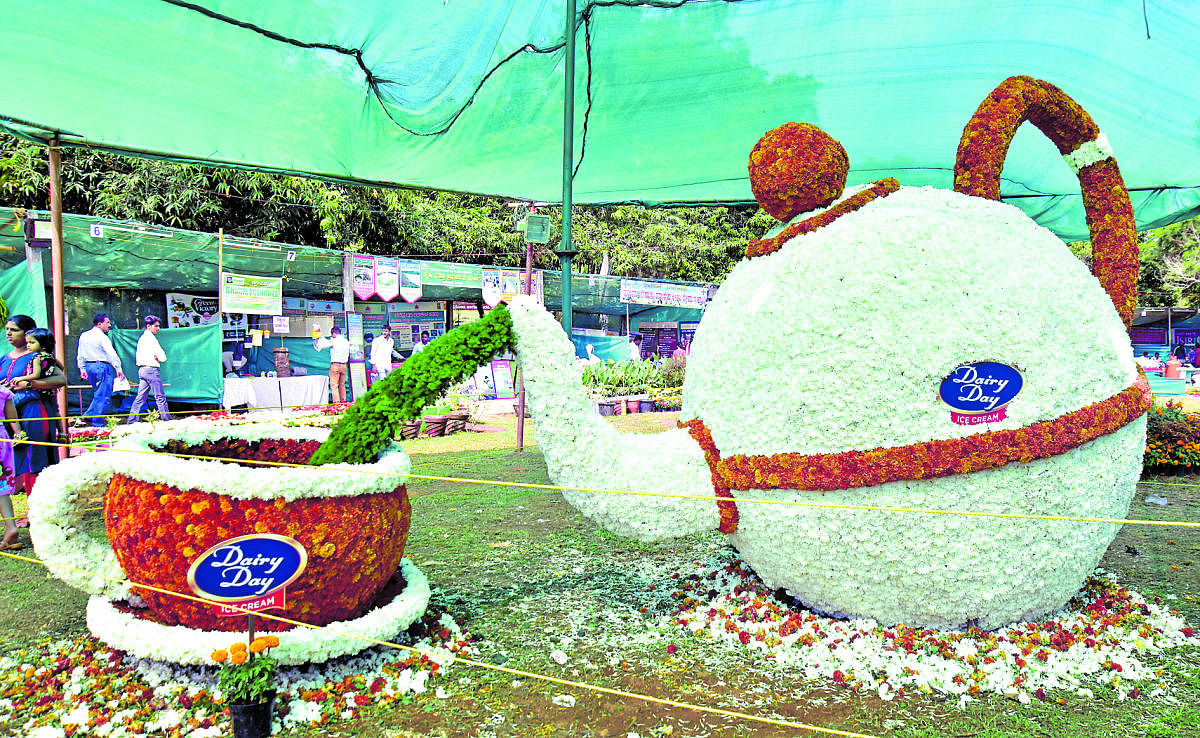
{"points": [[530, 575]]}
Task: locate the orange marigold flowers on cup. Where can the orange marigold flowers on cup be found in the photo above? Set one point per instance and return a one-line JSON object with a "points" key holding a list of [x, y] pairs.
{"points": [[258, 645], [239, 657], [220, 656]]}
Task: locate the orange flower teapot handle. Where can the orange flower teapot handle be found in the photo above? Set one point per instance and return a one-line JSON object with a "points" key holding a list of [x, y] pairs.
{"points": [[984, 146]]}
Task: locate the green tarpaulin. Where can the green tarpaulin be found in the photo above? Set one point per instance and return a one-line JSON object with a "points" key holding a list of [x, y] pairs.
{"points": [[192, 371], [671, 96], [22, 292]]}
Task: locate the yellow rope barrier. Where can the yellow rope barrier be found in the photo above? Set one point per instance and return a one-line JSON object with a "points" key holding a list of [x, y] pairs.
{"points": [[481, 664], [558, 488]]}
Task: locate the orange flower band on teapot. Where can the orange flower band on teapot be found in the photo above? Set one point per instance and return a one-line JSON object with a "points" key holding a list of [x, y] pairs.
{"points": [[882, 188], [928, 460]]}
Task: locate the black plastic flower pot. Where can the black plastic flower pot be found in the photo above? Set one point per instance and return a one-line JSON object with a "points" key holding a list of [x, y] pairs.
{"points": [[253, 720]]}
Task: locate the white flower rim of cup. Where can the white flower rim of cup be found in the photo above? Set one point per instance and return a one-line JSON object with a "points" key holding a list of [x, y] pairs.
{"points": [[182, 645]]}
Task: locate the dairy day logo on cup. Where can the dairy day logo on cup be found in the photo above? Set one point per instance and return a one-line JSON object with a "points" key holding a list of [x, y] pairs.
{"points": [[979, 391], [248, 571]]}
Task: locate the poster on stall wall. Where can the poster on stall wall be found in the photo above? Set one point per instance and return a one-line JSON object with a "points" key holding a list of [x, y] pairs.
{"points": [[375, 317], [363, 268], [482, 384], [354, 334], [512, 283], [502, 375], [184, 311], [328, 309], [387, 278], [490, 284], [408, 322], [687, 332], [410, 281], [659, 339]]}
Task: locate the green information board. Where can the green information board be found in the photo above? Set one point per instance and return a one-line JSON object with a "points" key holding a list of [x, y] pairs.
{"points": [[243, 293]]}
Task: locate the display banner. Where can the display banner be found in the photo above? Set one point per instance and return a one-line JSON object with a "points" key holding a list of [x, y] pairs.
{"points": [[1187, 336], [490, 284], [450, 275], [512, 283], [375, 317], [243, 293], [364, 276], [184, 311], [328, 309], [687, 331], [410, 281], [295, 306], [1147, 335], [410, 321], [354, 334], [659, 339], [502, 375], [387, 278], [664, 293]]}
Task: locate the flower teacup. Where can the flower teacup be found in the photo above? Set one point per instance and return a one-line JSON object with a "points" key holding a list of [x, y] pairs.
{"points": [[163, 508]]}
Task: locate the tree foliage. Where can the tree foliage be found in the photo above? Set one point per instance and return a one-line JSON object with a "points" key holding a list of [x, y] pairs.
{"points": [[699, 244]]}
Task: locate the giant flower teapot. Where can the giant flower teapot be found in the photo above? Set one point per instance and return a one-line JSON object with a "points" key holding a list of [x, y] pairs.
{"points": [[892, 388]]}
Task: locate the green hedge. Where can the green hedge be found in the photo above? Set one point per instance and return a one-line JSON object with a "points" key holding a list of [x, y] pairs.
{"points": [[371, 422]]}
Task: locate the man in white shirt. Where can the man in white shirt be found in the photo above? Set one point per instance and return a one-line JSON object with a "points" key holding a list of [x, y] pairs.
{"points": [[149, 357], [419, 346], [382, 351], [98, 364], [339, 355], [635, 349]]}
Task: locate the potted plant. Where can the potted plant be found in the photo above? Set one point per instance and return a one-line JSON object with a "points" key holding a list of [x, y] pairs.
{"points": [[247, 680]]}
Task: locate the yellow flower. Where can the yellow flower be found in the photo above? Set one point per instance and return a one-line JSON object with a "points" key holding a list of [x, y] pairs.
{"points": [[238, 648], [239, 657], [258, 645], [220, 656]]}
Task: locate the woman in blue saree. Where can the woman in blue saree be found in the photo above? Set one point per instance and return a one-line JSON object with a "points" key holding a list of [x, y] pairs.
{"points": [[34, 400]]}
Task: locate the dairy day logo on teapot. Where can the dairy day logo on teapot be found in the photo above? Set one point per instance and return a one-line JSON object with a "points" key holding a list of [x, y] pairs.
{"points": [[978, 392], [249, 571]]}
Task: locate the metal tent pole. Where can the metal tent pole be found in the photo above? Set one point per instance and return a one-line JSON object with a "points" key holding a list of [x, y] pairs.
{"points": [[56, 272], [565, 252], [526, 288]]}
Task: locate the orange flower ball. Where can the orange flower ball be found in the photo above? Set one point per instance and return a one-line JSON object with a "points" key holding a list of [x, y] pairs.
{"points": [[238, 648], [239, 657], [272, 641], [258, 645], [219, 656], [795, 168]]}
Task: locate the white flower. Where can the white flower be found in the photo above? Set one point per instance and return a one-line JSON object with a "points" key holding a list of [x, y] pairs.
{"points": [[181, 645], [563, 700], [558, 657]]}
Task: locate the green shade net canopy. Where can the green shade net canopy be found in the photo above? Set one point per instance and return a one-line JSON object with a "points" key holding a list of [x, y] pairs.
{"points": [[466, 95]]}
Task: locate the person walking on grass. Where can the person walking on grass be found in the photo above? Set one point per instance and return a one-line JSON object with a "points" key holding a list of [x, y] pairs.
{"points": [[150, 356], [100, 366]]}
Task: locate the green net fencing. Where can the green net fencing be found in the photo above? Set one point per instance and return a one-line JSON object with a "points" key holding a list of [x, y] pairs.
{"points": [[671, 96]]}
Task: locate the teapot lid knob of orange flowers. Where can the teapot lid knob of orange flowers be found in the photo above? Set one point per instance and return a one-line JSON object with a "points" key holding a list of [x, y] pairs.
{"points": [[796, 168]]}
